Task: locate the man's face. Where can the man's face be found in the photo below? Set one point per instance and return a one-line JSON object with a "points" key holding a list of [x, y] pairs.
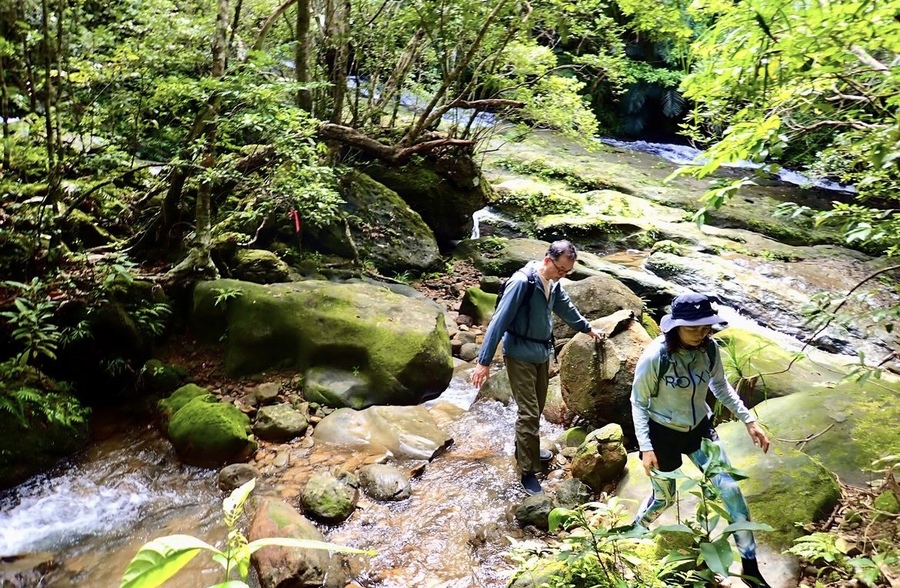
{"points": [[561, 267]]}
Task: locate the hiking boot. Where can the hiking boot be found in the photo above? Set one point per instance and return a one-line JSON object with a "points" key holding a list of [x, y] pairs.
{"points": [[751, 575], [531, 484], [546, 455]]}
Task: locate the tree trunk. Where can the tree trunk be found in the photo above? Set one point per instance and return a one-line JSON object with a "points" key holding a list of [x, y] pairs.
{"points": [[337, 15], [301, 56], [4, 113]]}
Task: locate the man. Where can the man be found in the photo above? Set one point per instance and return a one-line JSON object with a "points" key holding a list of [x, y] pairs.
{"points": [[523, 321]]}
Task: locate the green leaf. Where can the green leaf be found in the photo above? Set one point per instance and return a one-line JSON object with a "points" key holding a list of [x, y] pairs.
{"points": [[559, 517], [231, 584], [717, 556], [746, 526], [672, 529], [160, 559]]}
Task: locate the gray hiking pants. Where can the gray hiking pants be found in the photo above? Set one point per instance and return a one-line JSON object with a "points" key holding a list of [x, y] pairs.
{"points": [[529, 383]]}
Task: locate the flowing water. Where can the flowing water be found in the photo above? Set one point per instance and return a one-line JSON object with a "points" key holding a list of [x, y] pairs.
{"points": [[92, 515]]}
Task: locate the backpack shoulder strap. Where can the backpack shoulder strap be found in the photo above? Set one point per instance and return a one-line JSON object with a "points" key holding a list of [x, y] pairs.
{"points": [[711, 349], [663, 365]]}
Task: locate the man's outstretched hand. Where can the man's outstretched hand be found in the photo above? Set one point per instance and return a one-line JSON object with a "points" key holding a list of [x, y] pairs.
{"points": [[596, 334], [480, 375]]}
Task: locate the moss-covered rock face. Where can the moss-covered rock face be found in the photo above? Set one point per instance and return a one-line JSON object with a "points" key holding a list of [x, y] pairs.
{"points": [[785, 487], [399, 345], [444, 189], [385, 231], [209, 434], [601, 459], [847, 426]]}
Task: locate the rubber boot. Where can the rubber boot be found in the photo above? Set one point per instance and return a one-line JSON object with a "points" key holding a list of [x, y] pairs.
{"points": [[752, 576]]}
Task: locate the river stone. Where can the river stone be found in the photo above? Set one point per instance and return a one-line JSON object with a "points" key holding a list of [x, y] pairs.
{"points": [[407, 432], [209, 434], [535, 511], [259, 266], [497, 388], [335, 387], [278, 567], [235, 475], [267, 393], [279, 422], [398, 344], [538, 573], [573, 437], [555, 409], [597, 377], [469, 351], [332, 497], [381, 228], [601, 459], [597, 296], [573, 493], [445, 189], [384, 482]]}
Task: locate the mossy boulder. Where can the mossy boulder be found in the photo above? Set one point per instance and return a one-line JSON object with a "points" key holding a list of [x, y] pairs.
{"points": [[209, 434], [478, 304], [169, 406], [445, 188], [260, 266], [398, 344], [383, 229], [601, 459]]}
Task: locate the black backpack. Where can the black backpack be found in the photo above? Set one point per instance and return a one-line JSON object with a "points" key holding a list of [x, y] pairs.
{"points": [[529, 291]]}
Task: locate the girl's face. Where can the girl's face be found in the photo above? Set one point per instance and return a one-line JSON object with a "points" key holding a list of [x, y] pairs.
{"points": [[693, 336]]}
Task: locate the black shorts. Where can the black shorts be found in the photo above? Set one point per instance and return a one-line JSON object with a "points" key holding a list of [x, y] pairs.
{"points": [[669, 444]]}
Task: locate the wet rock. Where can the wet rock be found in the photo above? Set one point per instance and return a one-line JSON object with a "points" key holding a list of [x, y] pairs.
{"points": [[573, 493], [555, 409], [29, 570], [337, 387], [597, 296], [279, 422], [497, 388], [169, 406], [267, 393], [469, 351], [332, 497], [534, 511], [601, 459], [384, 482], [597, 377], [408, 432], [281, 566], [478, 304], [236, 475]]}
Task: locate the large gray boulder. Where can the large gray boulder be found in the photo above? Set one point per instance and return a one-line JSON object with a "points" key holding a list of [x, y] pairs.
{"points": [[281, 566], [597, 377], [595, 297], [398, 345], [406, 432], [381, 226]]}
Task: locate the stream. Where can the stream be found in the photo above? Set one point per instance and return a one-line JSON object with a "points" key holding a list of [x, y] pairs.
{"points": [[90, 516]]}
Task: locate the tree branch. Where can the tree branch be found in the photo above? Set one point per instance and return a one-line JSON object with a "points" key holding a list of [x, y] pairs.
{"points": [[394, 155]]}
